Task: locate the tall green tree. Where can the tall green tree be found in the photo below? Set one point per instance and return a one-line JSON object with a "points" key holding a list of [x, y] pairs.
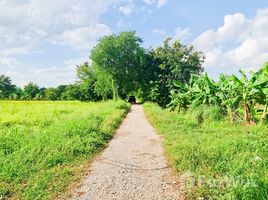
{"points": [[30, 91], [6, 87], [120, 58], [51, 94], [71, 92], [172, 61], [86, 82]]}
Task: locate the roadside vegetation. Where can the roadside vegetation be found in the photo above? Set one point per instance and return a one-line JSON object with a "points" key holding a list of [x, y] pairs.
{"points": [[215, 130], [216, 134], [231, 95], [44, 145], [217, 159]]}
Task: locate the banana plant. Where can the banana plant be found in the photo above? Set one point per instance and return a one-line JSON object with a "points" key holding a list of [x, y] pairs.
{"points": [[250, 92], [263, 81], [203, 91], [180, 97], [200, 90], [230, 93], [229, 97]]}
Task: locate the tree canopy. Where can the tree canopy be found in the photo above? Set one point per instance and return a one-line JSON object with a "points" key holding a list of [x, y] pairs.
{"points": [[6, 87], [120, 66], [119, 59]]}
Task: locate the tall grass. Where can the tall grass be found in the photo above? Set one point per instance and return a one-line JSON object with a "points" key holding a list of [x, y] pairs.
{"points": [[43, 145], [217, 159]]}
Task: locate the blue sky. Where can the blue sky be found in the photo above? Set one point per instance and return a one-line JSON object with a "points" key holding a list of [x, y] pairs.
{"points": [[43, 40]]}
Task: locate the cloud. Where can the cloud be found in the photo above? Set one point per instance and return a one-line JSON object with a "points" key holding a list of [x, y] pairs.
{"points": [[27, 24], [84, 37], [181, 34], [126, 10], [159, 3], [160, 32], [149, 2], [240, 43], [10, 63], [46, 76]]}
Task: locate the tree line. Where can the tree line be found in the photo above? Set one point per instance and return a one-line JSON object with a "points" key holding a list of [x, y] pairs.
{"points": [[32, 91], [120, 67]]}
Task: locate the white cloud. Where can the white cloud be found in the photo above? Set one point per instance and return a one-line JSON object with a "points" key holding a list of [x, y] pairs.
{"points": [[84, 37], [26, 26], [126, 10], [159, 3], [10, 63], [181, 34], [241, 43], [160, 32], [44, 77], [149, 2], [64, 73]]}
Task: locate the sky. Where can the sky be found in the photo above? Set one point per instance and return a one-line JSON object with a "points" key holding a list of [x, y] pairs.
{"points": [[42, 41]]}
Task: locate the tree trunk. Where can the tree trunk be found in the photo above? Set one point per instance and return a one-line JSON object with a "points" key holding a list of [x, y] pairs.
{"points": [[246, 114], [263, 114], [231, 114], [115, 92]]}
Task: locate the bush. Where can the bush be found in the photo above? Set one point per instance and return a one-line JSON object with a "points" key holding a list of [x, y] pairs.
{"points": [[205, 113]]}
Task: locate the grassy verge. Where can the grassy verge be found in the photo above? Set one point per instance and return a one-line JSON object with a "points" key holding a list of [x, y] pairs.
{"points": [[218, 160], [44, 145]]}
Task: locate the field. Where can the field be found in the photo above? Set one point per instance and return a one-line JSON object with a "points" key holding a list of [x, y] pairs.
{"points": [[44, 145], [217, 159]]}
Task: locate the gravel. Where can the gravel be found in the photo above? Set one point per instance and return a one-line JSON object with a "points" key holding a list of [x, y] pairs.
{"points": [[131, 167]]}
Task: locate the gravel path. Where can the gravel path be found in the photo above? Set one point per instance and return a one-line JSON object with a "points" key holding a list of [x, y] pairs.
{"points": [[131, 167]]}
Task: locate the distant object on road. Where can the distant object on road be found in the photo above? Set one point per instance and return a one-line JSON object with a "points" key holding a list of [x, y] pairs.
{"points": [[132, 99]]}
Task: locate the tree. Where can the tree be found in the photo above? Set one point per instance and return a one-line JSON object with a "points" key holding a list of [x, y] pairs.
{"points": [[86, 83], [120, 58], [30, 91], [72, 92], [172, 61], [6, 87], [51, 94]]}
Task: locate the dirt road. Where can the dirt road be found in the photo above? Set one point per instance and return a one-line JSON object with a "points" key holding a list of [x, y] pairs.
{"points": [[131, 167]]}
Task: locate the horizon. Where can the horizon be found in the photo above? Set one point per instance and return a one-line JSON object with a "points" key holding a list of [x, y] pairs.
{"points": [[51, 40]]}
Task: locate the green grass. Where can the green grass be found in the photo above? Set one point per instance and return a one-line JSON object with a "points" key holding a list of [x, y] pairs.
{"points": [[217, 159], [44, 145]]}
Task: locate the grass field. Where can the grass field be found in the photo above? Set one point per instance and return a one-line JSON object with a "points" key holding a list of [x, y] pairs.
{"points": [[44, 145], [217, 159]]}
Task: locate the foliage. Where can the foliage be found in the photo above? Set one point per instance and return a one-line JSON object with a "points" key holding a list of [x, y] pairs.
{"points": [[44, 145], [230, 93], [120, 58], [6, 87], [87, 83], [172, 61], [30, 91], [216, 159], [121, 67]]}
